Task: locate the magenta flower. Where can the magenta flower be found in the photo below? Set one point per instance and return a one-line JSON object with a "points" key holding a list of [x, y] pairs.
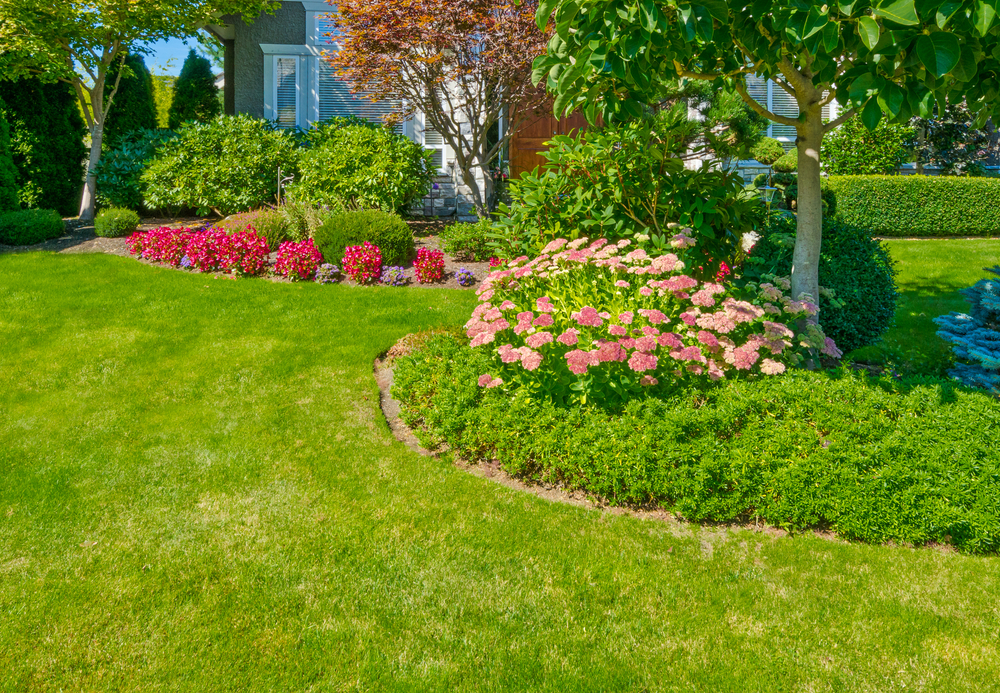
{"points": [[689, 318], [617, 330], [640, 362], [587, 317], [569, 337]]}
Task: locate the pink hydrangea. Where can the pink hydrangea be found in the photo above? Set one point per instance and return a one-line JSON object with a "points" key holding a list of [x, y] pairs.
{"points": [[776, 330], [654, 316], [830, 349], [640, 362], [486, 380], [507, 305], [742, 311], [646, 344], [646, 291], [770, 367], [714, 372], [554, 246], [508, 354], [703, 298], [543, 320], [610, 351], [492, 314], [530, 359], [579, 361], [626, 317], [745, 357], [691, 353], [538, 339], [690, 319], [669, 339], [587, 317], [636, 255], [708, 339], [578, 243], [622, 284], [650, 331], [544, 305], [664, 263], [481, 339], [617, 330]]}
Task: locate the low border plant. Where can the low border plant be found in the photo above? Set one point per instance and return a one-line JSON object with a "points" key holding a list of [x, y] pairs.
{"points": [[298, 261]]}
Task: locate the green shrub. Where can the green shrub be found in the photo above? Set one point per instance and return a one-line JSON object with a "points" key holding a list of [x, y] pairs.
{"points": [[468, 242], [133, 107], [623, 182], [30, 226], [8, 174], [304, 218], [919, 205], [47, 135], [829, 197], [760, 180], [119, 174], [854, 265], [115, 222], [767, 151], [228, 165], [852, 149], [362, 166], [387, 231], [269, 223], [789, 163], [873, 459], [195, 98]]}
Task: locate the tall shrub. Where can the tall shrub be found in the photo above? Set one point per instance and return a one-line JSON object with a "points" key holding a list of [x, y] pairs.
{"points": [[8, 174], [134, 105], [853, 149], [196, 98], [47, 143], [119, 175]]}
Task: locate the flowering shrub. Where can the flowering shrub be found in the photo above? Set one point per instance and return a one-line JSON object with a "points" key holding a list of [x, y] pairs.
{"points": [[161, 245], [244, 253], [298, 260], [327, 274], [496, 262], [465, 277], [429, 265], [205, 249], [394, 276], [363, 263], [588, 323], [208, 250]]}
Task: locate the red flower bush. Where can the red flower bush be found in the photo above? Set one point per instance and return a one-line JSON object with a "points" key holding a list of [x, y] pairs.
{"points": [[244, 253], [298, 260], [206, 249], [429, 265], [362, 263], [160, 245]]}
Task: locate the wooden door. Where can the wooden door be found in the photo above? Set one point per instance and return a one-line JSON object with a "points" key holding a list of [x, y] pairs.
{"points": [[528, 143]]}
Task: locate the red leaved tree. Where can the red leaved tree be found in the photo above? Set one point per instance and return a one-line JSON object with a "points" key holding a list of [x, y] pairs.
{"points": [[464, 64]]}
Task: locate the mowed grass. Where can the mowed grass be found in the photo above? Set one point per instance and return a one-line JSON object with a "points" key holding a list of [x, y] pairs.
{"points": [[199, 493], [931, 274]]}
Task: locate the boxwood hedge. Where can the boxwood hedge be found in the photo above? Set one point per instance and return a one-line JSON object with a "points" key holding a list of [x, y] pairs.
{"points": [[874, 459], [905, 206]]}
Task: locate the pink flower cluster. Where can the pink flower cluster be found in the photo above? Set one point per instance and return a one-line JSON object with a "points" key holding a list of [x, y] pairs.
{"points": [[362, 263], [209, 250], [245, 253], [429, 265], [164, 244], [581, 309], [298, 260]]}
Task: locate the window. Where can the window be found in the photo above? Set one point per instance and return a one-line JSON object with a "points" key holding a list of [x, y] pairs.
{"points": [[334, 98], [286, 99], [319, 29], [779, 102], [434, 142]]}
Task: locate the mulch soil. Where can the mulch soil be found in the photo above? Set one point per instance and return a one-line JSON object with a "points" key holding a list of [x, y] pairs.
{"points": [[80, 238]]}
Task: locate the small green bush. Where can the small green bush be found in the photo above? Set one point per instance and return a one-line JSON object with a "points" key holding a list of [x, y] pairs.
{"points": [[873, 459], [115, 222], [269, 223], [904, 206], [760, 180], [362, 166], [390, 233], [468, 242], [304, 218], [119, 174], [767, 151], [789, 163], [228, 165], [852, 149], [858, 268], [30, 226]]}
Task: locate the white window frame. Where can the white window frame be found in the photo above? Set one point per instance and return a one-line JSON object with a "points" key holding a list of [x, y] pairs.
{"points": [[271, 85]]}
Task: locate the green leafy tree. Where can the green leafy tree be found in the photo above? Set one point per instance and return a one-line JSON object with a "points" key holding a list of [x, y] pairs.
{"points": [[853, 149], [163, 95], [135, 107], [892, 59], [196, 98], [8, 174], [47, 134], [82, 44]]}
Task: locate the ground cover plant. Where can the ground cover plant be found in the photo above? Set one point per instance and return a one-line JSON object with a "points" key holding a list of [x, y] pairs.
{"points": [[197, 465]]}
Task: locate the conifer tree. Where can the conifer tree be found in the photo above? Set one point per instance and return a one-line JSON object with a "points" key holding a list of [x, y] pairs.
{"points": [[195, 96], [8, 174], [135, 107]]}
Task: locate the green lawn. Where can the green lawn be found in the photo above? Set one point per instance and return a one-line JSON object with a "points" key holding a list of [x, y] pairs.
{"points": [[931, 273], [199, 493]]}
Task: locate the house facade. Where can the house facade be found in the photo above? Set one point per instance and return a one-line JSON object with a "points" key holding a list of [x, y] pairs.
{"points": [[274, 69]]}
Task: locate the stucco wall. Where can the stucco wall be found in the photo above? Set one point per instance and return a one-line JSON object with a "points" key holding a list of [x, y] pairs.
{"points": [[286, 26]]}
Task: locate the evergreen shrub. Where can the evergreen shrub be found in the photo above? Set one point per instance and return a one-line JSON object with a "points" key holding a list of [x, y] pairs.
{"points": [[788, 163], [976, 336], [767, 151], [856, 267], [133, 107], [196, 98], [387, 231], [919, 205], [30, 226], [8, 174], [119, 174], [852, 149], [115, 222]]}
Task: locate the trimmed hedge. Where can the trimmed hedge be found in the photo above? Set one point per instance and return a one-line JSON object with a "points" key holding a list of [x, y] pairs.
{"points": [[115, 222], [873, 459], [30, 226], [387, 231], [905, 206]]}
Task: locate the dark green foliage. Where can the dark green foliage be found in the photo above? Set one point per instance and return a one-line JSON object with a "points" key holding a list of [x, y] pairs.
{"points": [[919, 205], [791, 193], [789, 163], [8, 174], [364, 165], [30, 226], [134, 107], [875, 460], [119, 174], [115, 222], [767, 151], [228, 165], [952, 142], [760, 180], [853, 149], [854, 265], [47, 134], [390, 233], [469, 242], [196, 98]]}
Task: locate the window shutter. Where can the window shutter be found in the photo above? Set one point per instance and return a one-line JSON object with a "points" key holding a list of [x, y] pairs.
{"points": [[757, 88], [435, 143], [286, 78], [336, 99], [783, 104]]}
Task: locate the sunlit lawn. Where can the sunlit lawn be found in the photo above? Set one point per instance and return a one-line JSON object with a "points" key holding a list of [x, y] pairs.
{"points": [[198, 492]]}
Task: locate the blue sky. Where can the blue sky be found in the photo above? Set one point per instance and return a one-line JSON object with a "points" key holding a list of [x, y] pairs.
{"points": [[168, 56]]}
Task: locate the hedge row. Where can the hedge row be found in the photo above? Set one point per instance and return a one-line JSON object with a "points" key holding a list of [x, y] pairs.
{"points": [[905, 206]]}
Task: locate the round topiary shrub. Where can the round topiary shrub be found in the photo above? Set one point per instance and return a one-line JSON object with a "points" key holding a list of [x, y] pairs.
{"points": [[789, 163], [767, 151], [115, 222], [30, 226], [854, 265], [387, 231], [760, 180]]}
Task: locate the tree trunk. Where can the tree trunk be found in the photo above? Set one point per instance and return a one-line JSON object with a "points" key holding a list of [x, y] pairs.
{"points": [[88, 202], [809, 230]]}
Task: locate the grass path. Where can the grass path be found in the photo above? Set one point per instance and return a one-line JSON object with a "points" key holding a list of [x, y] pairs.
{"points": [[199, 493]]}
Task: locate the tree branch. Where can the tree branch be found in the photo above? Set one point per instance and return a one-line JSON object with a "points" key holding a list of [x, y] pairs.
{"points": [[742, 91], [843, 118]]}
